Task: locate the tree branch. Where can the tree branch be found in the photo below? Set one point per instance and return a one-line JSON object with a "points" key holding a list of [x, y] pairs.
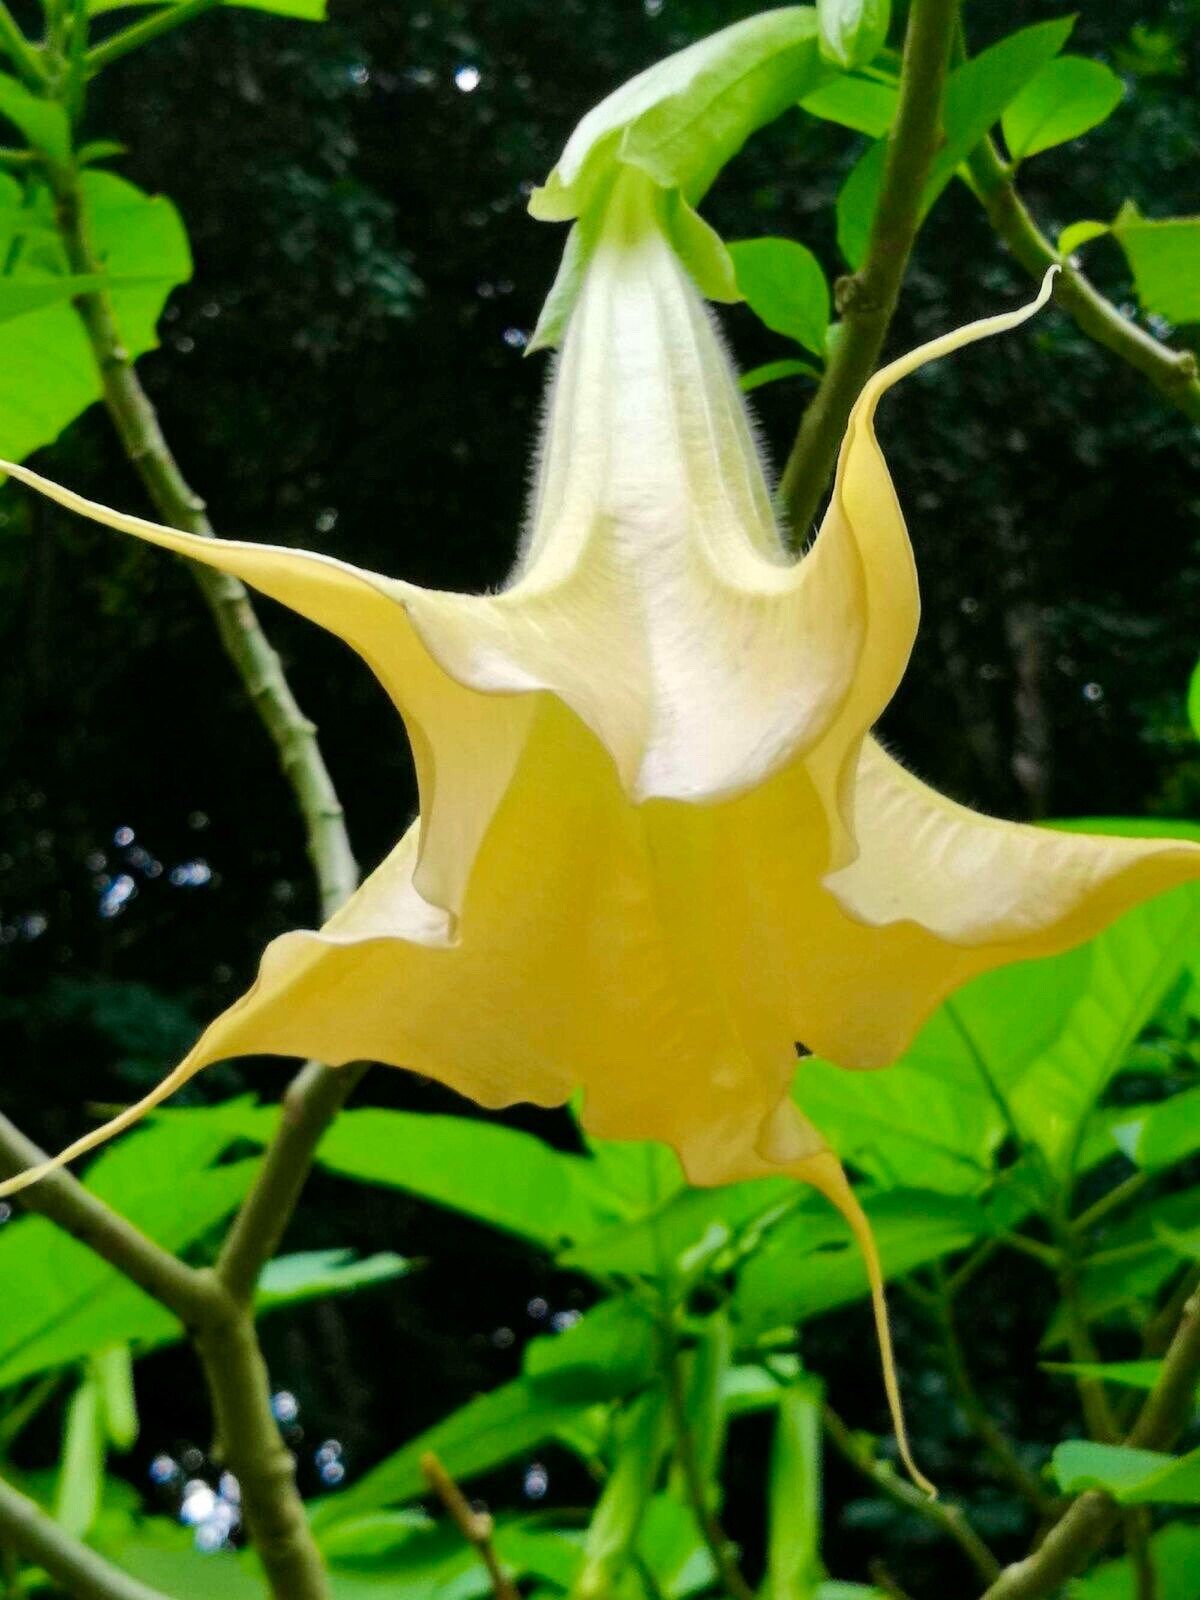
{"points": [[64, 1201], [1173, 373], [1083, 1528], [942, 1514], [140, 33], [80, 1572], [867, 299]]}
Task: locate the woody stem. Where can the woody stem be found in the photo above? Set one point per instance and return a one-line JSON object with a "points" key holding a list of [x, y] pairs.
{"points": [[867, 298]]}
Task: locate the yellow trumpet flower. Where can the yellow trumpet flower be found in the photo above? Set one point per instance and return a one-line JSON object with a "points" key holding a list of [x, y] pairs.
{"points": [[657, 846]]}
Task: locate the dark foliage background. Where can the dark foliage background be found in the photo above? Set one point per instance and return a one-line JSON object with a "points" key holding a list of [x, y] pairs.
{"points": [[345, 369]]}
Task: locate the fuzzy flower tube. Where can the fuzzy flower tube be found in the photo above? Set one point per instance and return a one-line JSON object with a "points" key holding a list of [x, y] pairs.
{"points": [[657, 844]]}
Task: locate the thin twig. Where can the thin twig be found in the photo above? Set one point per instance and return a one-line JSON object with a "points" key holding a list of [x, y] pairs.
{"points": [[943, 1514], [995, 1441], [31, 69], [882, 1577], [476, 1527], [1173, 373], [140, 33], [78, 1571], [729, 1574], [1083, 1528], [867, 299]]}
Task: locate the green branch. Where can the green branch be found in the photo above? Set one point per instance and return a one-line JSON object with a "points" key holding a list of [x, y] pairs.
{"points": [[944, 1515], [78, 1571], [31, 69], [63, 1200], [867, 299], [140, 33], [1173, 373], [1083, 1528]]}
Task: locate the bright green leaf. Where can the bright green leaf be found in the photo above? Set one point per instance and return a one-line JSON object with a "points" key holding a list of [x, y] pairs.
{"points": [[1193, 700], [852, 32], [43, 122], [976, 95], [113, 1370], [1175, 1551], [1076, 234], [1129, 1374], [1133, 1477], [81, 1467], [784, 286], [641, 1435], [1068, 97], [794, 1494], [313, 1274], [1160, 1135], [48, 374], [775, 372], [20, 295], [682, 119], [302, 10], [867, 105], [1164, 257]]}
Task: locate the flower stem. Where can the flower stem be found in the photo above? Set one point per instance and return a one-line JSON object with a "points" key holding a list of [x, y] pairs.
{"points": [[25, 1528], [867, 299], [476, 1527]]}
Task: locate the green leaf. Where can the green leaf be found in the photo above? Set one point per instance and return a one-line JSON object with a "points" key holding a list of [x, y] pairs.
{"points": [[1162, 1134], [1132, 1477], [774, 372], [1067, 98], [1132, 965], [1193, 700], [1165, 260], [48, 375], [808, 1265], [81, 1473], [483, 1434], [1130, 1374], [1175, 1551], [784, 286], [682, 119], [610, 1352], [302, 10], [976, 95], [867, 105], [642, 1434], [506, 1178], [113, 1370], [1076, 234], [313, 1274], [19, 296], [43, 122], [794, 1494], [64, 1301], [852, 32]]}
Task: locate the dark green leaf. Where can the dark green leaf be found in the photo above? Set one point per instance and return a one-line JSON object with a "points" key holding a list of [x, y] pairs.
{"points": [[1130, 1374], [483, 1434], [1068, 97], [784, 286], [976, 95], [1175, 1551]]}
